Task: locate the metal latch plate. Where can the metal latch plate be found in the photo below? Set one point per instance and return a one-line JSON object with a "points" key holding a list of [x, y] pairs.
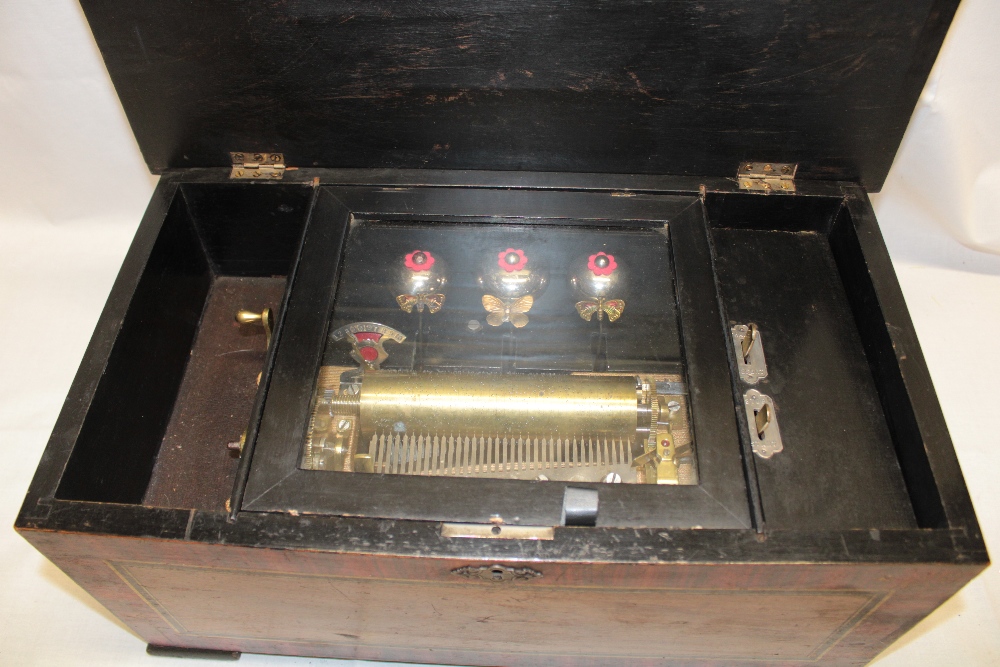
{"points": [[257, 166], [763, 423], [497, 531], [749, 349], [767, 176]]}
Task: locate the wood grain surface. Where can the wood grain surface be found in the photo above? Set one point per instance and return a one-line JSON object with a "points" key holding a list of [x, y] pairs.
{"points": [[179, 593], [679, 87]]}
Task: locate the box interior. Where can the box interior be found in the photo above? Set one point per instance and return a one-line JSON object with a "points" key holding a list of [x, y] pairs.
{"points": [[181, 380], [778, 268]]}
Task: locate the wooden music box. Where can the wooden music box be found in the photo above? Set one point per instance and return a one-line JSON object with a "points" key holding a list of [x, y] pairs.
{"points": [[486, 333]]}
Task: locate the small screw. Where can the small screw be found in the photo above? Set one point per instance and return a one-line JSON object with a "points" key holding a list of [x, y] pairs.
{"points": [[613, 478], [474, 325], [495, 530], [344, 424], [542, 478], [238, 157], [786, 169], [673, 406], [257, 157], [275, 158]]}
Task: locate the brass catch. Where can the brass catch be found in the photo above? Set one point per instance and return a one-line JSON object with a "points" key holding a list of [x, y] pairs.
{"points": [[749, 349], [765, 437]]}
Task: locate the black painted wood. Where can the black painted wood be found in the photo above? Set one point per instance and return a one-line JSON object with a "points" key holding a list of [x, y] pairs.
{"points": [[68, 425], [919, 431], [381, 537], [678, 87], [248, 230], [181, 652], [838, 468], [117, 445]]}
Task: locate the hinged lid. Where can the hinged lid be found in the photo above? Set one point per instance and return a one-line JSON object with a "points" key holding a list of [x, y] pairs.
{"points": [[674, 87]]}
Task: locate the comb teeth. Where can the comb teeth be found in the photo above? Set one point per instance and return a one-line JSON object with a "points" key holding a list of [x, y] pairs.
{"points": [[462, 456]]}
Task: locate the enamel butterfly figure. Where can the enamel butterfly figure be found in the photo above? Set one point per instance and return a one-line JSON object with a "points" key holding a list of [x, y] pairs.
{"points": [[512, 281], [601, 280], [500, 310], [421, 280]]}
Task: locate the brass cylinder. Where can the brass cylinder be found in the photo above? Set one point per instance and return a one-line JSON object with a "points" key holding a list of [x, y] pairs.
{"points": [[470, 404]]}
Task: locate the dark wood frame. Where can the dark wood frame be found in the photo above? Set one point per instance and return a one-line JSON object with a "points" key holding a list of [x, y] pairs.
{"points": [[276, 483], [910, 571]]}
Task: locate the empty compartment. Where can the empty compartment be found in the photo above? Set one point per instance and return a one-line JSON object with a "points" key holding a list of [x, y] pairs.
{"points": [[790, 266], [182, 375]]}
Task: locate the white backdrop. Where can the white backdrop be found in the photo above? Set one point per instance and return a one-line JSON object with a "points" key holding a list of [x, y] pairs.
{"points": [[73, 188]]}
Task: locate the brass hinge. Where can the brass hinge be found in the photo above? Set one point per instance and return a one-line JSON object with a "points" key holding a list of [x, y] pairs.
{"points": [[767, 176], [258, 165]]}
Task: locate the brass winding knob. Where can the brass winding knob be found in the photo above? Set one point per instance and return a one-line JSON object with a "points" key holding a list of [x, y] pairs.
{"points": [[265, 318]]}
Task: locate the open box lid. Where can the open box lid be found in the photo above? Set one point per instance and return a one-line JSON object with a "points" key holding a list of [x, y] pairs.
{"points": [[686, 87]]}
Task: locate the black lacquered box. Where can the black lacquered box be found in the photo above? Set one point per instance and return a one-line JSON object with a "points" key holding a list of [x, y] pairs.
{"points": [[517, 334]]}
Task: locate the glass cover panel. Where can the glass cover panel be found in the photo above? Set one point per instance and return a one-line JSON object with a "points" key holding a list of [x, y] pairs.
{"points": [[504, 351]]}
